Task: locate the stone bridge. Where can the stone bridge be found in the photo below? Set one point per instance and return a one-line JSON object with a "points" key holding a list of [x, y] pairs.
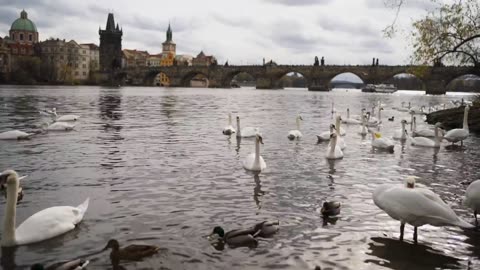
{"points": [[435, 79]]}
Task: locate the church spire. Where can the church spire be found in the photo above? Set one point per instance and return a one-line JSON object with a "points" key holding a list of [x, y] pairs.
{"points": [[110, 23], [169, 33]]}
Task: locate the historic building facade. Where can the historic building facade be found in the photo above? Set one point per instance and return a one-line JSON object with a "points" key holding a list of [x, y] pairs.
{"points": [[110, 46], [169, 49], [204, 60], [66, 61]]}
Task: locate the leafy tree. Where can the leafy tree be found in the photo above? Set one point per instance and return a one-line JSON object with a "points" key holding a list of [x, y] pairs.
{"points": [[450, 34], [26, 70]]}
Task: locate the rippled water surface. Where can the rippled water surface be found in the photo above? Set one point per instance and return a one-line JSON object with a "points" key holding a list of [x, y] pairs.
{"points": [[158, 170]]}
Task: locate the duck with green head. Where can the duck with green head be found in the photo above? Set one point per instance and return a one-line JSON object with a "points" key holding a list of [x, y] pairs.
{"points": [[244, 237]]}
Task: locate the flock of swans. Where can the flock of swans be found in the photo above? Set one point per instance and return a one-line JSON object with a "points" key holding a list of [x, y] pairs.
{"points": [[399, 201]]}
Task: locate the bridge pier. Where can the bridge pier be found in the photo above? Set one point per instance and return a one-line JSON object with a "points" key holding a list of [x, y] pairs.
{"points": [[266, 83], [318, 85], [435, 87]]}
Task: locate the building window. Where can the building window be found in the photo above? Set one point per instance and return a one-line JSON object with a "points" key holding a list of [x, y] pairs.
{"points": [[84, 52], [15, 50], [21, 36], [61, 57], [61, 49], [84, 73], [13, 36], [76, 73], [83, 58], [76, 65], [30, 37], [84, 66]]}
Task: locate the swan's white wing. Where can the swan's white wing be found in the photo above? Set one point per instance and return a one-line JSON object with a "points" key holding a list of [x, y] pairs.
{"points": [[49, 223], [422, 141], [60, 126], [250, 131], [68, 117], [248, 161], [425, 133], [324, 136], [14, 135], [295, 133], [456, 135], [263, 165], [472, 196]]}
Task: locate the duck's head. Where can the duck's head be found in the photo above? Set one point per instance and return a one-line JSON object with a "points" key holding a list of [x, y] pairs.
{"points": [[37, 266], [410, 182], [377, 135], [403, 121], [113, 244], [299, 117], [218, 231], [7, 177], [439, 125], [259, 138]]}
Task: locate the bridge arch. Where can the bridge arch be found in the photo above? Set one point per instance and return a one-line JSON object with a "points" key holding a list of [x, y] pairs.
{"points": [[277, 81], [187, 78], [361, 76], [346, 79], [154, 78], [406, 81], [469, 82], [228, 78]]}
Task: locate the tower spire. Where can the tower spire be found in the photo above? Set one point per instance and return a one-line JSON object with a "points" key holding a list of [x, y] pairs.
{"points": [[169, 33], [110, 22]]}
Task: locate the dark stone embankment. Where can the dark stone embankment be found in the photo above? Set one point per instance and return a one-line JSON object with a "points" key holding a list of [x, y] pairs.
{"points": [[453, 118]]}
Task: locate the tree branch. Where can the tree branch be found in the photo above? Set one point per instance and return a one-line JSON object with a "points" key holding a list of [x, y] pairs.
{"points": [[465, 41]]}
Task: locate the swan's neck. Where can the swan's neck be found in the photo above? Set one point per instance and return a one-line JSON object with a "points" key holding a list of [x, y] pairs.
{"points": [[348, 113], [229, 119], [403, 130], [256, 162], [379, 114], [437, 137], [373, 136], [298, 123], [465, 119], [8, 234], [239, 131], [414, 123], [333, 144], [411, 121], [337, 125]]}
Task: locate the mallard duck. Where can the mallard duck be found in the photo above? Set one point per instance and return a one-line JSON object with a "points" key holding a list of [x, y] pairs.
{"points": [[68, 265], [234, 238], [391, 118], [129, 253], [330, 208]]}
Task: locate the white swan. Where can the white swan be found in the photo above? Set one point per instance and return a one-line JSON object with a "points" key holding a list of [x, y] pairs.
{"points": [[333, 108], [418, 111], [296, 134], [371, 121], [40, 226], [382, 143], [333, 150], [351, 120], [255, 162], [325, 136], [59, 126], [416, 206], [52, 112], [459, 134], [401, 134], [15, 135], [403, 108], [472, 198], [422, 132], [359, 117], [246, 132], [65, 118], [426, 142], [229, 130], [363, 129], [340, 140]]}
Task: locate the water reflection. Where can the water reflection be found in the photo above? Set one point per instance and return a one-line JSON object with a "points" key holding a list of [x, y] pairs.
{"points": [[402, 255], [257, 192], [7, 261]]}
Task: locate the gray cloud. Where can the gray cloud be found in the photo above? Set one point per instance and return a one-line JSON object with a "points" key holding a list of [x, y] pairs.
{"points": [[356, 28], [408, 4]]}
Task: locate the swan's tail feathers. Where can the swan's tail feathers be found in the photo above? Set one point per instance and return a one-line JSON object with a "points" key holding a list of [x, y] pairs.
{"points": [[463, 224], [84, 264], [391, 148], [291, 136], [82, 208]]}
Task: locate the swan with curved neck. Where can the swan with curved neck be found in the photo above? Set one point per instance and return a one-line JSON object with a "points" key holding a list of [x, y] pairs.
{"points": [[363, 130], [296, 134], [382, 143], [401, 134], [325, 136], [351, 120], [229, 130], [338, 126], [42, 225], [401, 202], [333, 150], [459, 134], [65, 118], [254, 161], [340, 140], [426, 142], [422, 132], [246, 132]]}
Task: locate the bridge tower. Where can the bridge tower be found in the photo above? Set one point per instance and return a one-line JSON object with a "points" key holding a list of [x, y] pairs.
{"points": [[110, 46]]}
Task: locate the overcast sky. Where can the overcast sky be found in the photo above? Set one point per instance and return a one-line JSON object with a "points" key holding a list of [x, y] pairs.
{"points": [[244, 32]]}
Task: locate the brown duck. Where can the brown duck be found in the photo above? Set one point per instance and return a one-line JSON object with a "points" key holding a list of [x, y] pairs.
{"points": [[129, 253]]}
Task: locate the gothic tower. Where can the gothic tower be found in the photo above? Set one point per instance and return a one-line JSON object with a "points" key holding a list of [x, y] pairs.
{"points": [[110, 46]]}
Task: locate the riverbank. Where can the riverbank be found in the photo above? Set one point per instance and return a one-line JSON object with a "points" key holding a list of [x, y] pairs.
{"points": [[453, 118]]}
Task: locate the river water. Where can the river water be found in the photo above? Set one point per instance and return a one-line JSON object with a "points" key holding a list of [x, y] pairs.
{"points": [[158, 170]]}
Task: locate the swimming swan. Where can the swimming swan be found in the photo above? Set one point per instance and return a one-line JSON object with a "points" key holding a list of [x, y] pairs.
{"points": [[423, 132], [65, 118], [426, 142], [325, 136], [229, 130], [401, 134], [352, 120], [15, 135], [401, 202], [338, 126], [59, 126], [296, 134], [246, 132], [255, 162], [333, 150], [40, 226], [382, 143], [459, 134], [363, 129], [472, 198]]}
